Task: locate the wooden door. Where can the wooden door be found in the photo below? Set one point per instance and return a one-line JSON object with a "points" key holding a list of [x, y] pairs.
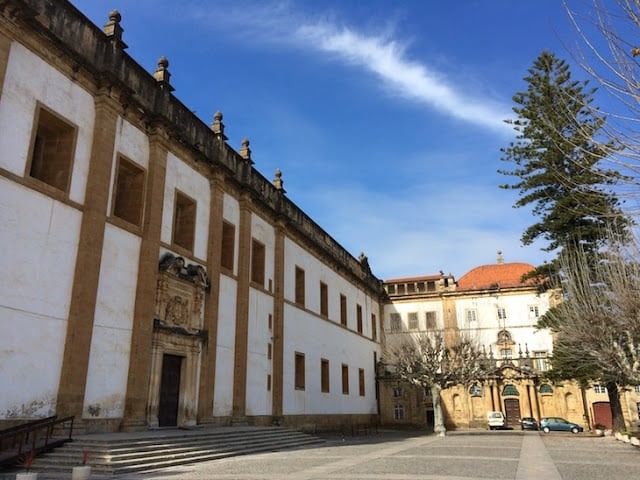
{"points": [[169, 391], [602, 415], [512, 412]]}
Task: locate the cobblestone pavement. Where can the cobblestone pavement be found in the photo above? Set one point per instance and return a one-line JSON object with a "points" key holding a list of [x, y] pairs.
{"points": [[410, 456]]}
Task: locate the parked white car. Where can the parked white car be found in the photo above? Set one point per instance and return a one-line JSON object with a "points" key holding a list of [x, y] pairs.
{"points": [[496, 420]]}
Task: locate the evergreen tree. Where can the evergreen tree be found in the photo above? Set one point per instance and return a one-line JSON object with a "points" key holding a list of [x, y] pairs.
{"points": [[556, 155]]}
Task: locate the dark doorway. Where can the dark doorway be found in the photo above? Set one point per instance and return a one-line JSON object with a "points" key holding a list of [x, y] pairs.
{"points": [[512, 411], [430, 419], [169, 391]]}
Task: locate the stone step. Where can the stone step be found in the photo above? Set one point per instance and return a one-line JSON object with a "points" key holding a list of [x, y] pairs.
{"points": [[128, 455]]}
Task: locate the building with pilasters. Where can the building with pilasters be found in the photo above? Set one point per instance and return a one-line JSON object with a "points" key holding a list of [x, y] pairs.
{"points": [[153, 276]]}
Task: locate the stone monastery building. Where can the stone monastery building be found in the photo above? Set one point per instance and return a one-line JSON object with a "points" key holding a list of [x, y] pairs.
{"points": [[153, 277]]}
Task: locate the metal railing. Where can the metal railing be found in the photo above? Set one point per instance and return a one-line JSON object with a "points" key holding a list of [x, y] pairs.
{"points": [[31, 438]]}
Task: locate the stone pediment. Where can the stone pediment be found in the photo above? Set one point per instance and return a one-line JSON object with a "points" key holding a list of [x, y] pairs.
{"points": [[180, 295]]}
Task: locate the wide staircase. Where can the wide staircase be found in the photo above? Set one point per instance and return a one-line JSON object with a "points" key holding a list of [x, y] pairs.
{"points": [[121, 453]]}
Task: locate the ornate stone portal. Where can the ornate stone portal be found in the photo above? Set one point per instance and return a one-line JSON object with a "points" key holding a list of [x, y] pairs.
{"points": [[178, 341]]}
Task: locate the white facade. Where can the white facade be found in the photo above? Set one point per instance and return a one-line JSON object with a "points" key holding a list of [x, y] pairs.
{"points": [[146, 299]]}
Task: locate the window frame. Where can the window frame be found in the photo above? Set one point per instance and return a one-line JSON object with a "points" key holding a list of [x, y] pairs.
{"points": [[185, 212], [299, 283], [117, 194], [325, 376], [299, 371], [228, 247], [359, 325], [258, 262], [345, 379], [45, 184], [344, 320]]}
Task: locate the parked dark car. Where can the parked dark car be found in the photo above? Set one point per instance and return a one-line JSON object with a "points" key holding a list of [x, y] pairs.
{"points": [[559, 424], [529, 423]]}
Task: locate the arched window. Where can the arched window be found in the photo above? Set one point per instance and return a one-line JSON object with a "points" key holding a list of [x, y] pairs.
{"points": [[475, 390], [510, 390], [546, 388], [504, 338]]}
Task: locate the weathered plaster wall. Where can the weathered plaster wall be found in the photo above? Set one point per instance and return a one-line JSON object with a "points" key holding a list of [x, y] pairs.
{"points": [[225, 347]]}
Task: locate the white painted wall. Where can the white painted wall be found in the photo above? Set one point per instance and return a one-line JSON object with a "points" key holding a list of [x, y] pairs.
{"points": [[421, 307], [39, 240], [258, 400], [181, 176], [318, 338], [225, 347], [306, 332], [115, 303], [29, 80], [38, 237]]}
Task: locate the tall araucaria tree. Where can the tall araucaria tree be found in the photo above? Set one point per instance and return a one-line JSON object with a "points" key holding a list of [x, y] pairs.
{"points": [[556, 158], [425, 361]]}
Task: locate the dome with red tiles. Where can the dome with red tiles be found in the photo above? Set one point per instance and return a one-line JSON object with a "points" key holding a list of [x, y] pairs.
{"points": [[499, 275]]}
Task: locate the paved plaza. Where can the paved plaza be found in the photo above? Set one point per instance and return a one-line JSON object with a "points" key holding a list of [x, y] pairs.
{"points": [[392, 455], [402, 456]]}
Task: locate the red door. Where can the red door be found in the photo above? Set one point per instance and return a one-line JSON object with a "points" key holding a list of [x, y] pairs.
{"points": [[602, 415], [512, 411]]}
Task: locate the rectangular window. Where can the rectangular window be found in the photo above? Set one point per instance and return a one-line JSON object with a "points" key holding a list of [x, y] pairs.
{"points": [[299, 371], [345, 379], [391, 289], [184, 221], [411, 288], [374, 327], [324, 375], [299, 286], [397, 392], [228, 246], [324, 299], [268, 382], [636, 388], [540, 361], [361, 381], [431, 286], [413, 320], [128, 192], [421, 287], [533, 311], [269, 351], [470, 316], [52, 151], [401, 288], [431, 319], [359, 317], [398, 412], [599, 389], [257, 262], [506, 353], [502, 313], [343, 310], [395, 322]]}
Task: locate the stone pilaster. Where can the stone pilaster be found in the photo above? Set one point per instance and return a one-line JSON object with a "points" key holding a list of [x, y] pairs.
{"points": [[5, 46], [242, 312], [141, 337], [214, 252], [75, 362], [278, 324]]}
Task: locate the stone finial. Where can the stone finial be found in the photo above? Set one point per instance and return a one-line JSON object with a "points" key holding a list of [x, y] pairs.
{"points": [[162, 74], [245, 151], [217, 126], [113, 30], [278, 182], [500, 257]]}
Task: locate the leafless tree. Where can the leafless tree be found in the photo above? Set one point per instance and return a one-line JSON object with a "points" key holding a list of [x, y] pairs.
{"points": [[597, 325], [608, 49], [425, 361]]}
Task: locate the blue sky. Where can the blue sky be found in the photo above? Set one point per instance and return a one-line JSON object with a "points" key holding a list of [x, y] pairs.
{"points": [[385, 117]]}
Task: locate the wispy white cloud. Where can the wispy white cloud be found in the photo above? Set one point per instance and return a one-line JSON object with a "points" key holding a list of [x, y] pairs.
{"points": [[378, 54], [387, 59]]}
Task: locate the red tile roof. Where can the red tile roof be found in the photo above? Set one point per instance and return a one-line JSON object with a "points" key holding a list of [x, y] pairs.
{"points": [[500, 275]]}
